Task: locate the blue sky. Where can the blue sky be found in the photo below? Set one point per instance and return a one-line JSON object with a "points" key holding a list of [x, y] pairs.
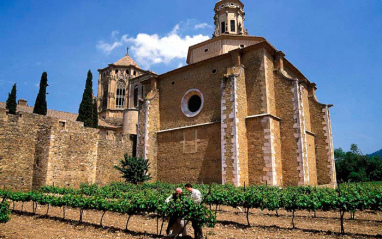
{"points": [[336, 44]]}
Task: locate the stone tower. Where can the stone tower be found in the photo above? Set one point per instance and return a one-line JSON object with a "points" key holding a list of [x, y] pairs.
{"points": [[113, 89], [229, 18]]}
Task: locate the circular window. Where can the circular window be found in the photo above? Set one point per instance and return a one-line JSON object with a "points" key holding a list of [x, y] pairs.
{"points": [[206, 50], [192, 103]]}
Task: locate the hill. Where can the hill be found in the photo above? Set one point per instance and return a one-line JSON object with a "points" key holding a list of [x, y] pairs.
{"points": [[379, 153]]}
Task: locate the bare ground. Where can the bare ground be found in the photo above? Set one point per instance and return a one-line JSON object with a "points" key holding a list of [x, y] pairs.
{"points": [[232, 223]]}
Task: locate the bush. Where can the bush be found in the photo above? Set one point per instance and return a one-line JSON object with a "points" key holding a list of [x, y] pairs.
{"points": [[4, 212], [134, 170]]}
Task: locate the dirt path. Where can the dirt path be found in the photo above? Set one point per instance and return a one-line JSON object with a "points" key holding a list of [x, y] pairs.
{"points": [[231, 224]]}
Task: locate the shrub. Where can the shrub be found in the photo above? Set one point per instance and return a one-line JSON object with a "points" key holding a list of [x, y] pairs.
{"points": [[134, 170], [4, 212]]}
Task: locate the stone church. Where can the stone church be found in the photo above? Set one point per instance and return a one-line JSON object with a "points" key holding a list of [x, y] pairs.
{"points": [[238, 112]]}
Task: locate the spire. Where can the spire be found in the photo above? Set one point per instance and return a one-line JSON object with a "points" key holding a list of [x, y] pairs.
{"points": [[229, 18], [127, 51]]}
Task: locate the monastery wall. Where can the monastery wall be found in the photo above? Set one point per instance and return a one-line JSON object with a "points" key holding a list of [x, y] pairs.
{"points": [[320, 121], [37, 150], [174, 86], [255, 82], [190, 155], [256, 141], [286, 110], [111, 150], [19, 136]]}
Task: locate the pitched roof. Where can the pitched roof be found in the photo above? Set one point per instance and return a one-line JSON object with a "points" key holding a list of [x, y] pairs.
{"points": [[126, 61]]}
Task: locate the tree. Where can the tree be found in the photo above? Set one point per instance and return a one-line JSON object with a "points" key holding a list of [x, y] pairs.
{"points": [[11, 104], [86, 112], [134, 170], [40, 106], [355, 167], [354, 149]]}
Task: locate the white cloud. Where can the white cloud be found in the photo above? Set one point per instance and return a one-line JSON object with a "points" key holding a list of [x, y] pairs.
{"points": [[202, 26], [107, 48], [180, 65], [148, 50]]}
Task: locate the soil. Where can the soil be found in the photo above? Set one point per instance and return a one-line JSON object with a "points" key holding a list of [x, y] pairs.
{"points": [[232, 223]]}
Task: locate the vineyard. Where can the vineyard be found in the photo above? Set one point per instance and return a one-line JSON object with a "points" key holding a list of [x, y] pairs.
{"points": [[149, 200]]}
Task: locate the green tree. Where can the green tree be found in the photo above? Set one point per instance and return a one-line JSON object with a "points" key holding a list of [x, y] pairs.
{"points": [[11, 104], [354, 149], [134, 170], [86, 112], [355, 167], [40, 106]]}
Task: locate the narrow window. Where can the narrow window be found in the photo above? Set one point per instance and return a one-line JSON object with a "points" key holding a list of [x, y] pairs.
{"points": [[105, 93], [133, 138], [136, 96], [223, 27], [121, 92], [233, 26]]}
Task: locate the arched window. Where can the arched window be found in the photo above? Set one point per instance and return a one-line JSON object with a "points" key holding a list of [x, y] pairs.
{"points": [[136, 96], [121, 92]]}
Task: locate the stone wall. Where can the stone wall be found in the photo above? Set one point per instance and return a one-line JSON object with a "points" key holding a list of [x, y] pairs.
{"points": [[173, 87], [37, 150], [19, 137], [256, 141], [324, 145], [255, 81], [311, 143], [72, 155], [111, 150], [286, 111], [190, 155]]}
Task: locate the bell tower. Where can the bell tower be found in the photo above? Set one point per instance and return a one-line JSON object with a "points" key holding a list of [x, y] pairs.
{"points": [[229, 18]]}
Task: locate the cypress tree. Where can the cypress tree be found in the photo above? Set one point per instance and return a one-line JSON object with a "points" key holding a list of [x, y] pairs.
{"points": [[40, 106], [11, 101], [86, 110]]}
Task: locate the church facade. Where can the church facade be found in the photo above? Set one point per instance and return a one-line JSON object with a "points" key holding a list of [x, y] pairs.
{"points": [[239, 112]]}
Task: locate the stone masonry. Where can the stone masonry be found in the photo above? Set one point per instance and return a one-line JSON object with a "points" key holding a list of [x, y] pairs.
{"points": [[38, 150]]}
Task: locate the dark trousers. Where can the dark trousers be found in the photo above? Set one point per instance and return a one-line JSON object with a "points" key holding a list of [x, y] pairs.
{"points": [[198, 233], [171, 222]]}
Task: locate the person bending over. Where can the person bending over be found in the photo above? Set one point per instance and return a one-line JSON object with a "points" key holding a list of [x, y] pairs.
{"points": [[175, 224]]}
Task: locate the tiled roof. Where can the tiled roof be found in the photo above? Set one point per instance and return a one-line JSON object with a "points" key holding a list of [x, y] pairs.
{"points": [[126, 61], [59, 114]]}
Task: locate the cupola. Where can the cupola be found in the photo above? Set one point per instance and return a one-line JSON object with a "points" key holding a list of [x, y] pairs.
{"points": [[229, 18]]}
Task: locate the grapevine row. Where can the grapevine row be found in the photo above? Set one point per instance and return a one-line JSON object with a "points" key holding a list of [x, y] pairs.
{"points": [[346, 198], [148, 198]]}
